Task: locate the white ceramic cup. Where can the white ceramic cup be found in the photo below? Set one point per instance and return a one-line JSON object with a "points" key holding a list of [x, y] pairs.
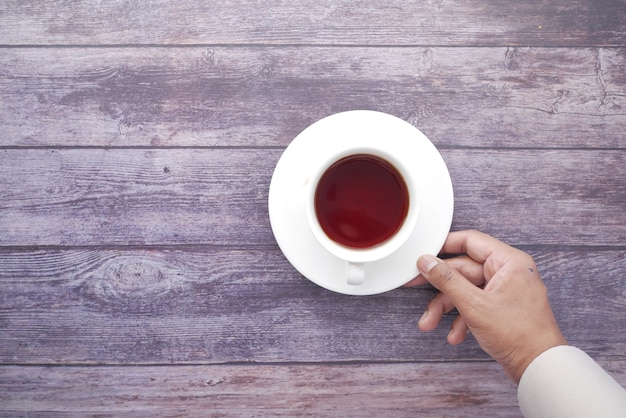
{"points": [[356, 259]]}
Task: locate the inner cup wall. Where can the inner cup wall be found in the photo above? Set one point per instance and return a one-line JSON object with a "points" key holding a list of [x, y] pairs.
{"points": [[361, 201]]}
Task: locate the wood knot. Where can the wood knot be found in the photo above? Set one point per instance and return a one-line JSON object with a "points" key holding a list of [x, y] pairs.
{"points": [[510, 61], [427, 59], [209, 55], [266, 71], [133, 278]]}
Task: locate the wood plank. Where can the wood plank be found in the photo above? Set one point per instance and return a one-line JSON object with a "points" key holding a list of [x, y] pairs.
{"points": [[361, 390], [85, 197], [533, 197], [236, 96], [215, 305], [390, 390], [98, 197], [453, 22]]}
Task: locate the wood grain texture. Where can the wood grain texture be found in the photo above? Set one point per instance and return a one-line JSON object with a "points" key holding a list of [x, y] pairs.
{"points": [[372, 390], [219, 196], [264, 96], [450, 22], [360, 390], [138, 271], [216, 305]]}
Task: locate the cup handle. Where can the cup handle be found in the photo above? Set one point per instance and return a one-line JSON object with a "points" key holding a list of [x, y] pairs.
{"points": [[355, 273]]}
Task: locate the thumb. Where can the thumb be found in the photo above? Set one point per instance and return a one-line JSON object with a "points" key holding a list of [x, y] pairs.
{"points": [[448, 280]]}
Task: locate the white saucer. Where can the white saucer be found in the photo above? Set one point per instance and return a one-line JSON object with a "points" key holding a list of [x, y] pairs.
{"points": [[327, 138]]}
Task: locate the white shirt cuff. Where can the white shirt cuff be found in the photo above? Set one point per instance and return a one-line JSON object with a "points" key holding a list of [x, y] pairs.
{"points": [[565, 382]]}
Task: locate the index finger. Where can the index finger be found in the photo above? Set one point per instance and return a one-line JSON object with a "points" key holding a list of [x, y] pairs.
{"points": [[478, 245]]}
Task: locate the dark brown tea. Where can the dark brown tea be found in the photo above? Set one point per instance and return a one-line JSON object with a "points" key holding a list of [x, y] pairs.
{"points": [[361, 201]]}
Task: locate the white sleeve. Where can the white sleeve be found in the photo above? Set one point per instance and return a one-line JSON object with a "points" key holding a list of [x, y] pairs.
{"points": [[565, 382]]}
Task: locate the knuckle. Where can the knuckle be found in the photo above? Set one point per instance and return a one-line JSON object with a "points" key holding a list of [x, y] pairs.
{"points": [[444, 272], [448, 274]]}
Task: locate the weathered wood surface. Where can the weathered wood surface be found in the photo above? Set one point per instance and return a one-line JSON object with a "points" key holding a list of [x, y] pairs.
{"points": [[394, 22], [138, 272], [243, 96], [219, 196], [361, 390], [216, 305], [348, 390]]}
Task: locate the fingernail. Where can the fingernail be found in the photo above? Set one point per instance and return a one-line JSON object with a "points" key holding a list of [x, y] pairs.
{"points": [[424, 315], [451, 332], [426, 263]]}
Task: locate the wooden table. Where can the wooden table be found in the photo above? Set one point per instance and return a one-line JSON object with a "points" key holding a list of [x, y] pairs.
{"points": [[138, 271]]}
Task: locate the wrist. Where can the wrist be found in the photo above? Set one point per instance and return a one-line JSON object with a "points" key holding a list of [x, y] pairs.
{"points": [[516, 368]]}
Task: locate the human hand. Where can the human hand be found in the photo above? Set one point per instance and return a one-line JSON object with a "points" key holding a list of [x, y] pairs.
{"points": [[499, 295]]}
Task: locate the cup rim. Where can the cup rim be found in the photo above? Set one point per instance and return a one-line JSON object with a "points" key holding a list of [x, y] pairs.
{"points": [[380, 250]]}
